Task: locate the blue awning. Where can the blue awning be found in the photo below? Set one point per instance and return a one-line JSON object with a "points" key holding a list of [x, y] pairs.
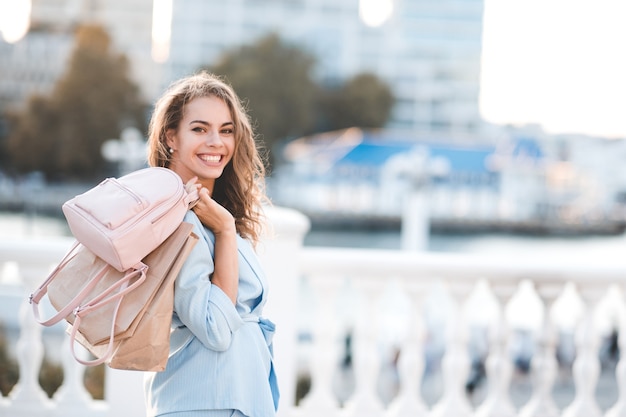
{"points": [[373, 154]]}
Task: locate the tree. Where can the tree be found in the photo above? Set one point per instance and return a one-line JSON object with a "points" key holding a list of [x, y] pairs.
{"points": [[61, 134], [31, 142], [274, 80], [363, 101], [4, 129]]}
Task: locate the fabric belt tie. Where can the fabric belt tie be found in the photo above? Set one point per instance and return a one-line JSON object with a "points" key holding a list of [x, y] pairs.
{"points": [[268, 329]]}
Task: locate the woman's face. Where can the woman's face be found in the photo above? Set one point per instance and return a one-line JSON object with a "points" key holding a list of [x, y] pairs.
{"points": [[204, 142]]}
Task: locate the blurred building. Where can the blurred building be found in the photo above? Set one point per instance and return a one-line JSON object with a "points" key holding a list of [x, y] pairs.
{"points": [[428, 51], [522, 183], [34, 63]]}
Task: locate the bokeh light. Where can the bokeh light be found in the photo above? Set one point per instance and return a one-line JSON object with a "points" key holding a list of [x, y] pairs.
{"points": [[14, 19]]}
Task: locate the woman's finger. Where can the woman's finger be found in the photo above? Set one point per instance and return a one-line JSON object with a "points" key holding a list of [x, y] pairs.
{"points": [[204, 192]]}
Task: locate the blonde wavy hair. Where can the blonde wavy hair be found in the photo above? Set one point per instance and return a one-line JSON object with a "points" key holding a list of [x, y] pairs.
{"points": [[241, 187]]}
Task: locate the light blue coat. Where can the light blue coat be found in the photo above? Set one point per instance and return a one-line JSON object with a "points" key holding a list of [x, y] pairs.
{"points": [[220, 354]]}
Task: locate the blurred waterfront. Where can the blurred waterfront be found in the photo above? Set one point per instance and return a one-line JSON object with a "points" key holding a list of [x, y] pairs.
{"points": [[597, 247], [607, 248], [600, 248]]}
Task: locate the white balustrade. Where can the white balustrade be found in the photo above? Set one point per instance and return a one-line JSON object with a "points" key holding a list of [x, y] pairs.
{"points": [[411, 363], [456, 363], [321, 400], [365, 402], [544, 364], [367, 274], [619, 408], [27, 397], [587, 365], [498, 366], [72, 398]]}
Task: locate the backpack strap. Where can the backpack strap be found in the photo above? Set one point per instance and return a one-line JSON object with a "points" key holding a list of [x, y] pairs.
{"points": [[101, 300], [74, 305]]}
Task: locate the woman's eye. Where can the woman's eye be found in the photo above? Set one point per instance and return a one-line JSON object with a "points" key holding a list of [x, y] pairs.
{"points": [[228, 131], [198, 129]]}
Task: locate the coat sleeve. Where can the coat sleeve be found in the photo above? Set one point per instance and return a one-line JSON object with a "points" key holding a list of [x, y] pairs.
{"points": [[201, 306]]}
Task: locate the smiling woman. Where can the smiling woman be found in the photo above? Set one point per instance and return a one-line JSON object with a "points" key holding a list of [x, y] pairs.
{"points": [[14, 19], [200, 130]]}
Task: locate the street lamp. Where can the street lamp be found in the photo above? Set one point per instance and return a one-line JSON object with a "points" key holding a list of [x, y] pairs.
{"points": [[129, 150], [418, 168]]}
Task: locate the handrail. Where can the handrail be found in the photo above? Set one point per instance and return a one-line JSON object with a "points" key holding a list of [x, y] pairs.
{"points": [[368, 272]]}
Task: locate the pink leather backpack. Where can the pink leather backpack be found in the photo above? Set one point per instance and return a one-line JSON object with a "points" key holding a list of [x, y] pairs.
{"points": [[122, 220]]}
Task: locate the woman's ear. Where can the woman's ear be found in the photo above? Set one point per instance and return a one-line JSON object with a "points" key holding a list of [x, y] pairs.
{"points": [[169, 138]]}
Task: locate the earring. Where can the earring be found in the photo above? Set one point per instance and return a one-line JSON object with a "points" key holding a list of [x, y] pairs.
{"points": [[171, 150]]}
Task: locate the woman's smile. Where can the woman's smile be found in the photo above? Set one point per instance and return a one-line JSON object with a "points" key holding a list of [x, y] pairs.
{"points": [[210, 159]]}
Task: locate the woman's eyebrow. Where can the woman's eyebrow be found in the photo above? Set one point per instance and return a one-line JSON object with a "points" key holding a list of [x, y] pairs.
{"points": [[202, 122]]}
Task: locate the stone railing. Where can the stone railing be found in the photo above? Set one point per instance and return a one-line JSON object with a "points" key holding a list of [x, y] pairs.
{"points": [[388, 333]]}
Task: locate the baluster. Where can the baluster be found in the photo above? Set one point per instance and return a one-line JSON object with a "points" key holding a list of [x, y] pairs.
{"points": [[72, 397], [320, 401], [27, 397], [543, 363], [619, 408], [498, 365], [4, 402], [365, 401], [411, 363], [586, 368], [455, 363]]}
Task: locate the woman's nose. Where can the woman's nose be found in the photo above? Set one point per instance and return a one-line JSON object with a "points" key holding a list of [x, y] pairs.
{"points": [[213, 138]]}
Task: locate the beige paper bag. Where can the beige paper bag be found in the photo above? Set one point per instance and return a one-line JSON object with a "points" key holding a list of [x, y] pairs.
{"points": [[141, 341]]}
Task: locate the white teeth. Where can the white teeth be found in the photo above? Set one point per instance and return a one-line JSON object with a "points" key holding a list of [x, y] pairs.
{"points": [[210, 158]]}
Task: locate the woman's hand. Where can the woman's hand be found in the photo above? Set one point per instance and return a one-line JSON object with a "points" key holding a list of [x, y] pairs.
{"points": [[192, 186], [212, 214]]}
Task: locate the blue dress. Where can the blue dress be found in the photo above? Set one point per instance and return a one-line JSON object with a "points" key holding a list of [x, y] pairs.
{"points": [[220, 353]]}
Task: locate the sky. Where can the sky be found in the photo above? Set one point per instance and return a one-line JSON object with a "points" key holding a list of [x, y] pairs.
{"points": [[557, 63]]}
